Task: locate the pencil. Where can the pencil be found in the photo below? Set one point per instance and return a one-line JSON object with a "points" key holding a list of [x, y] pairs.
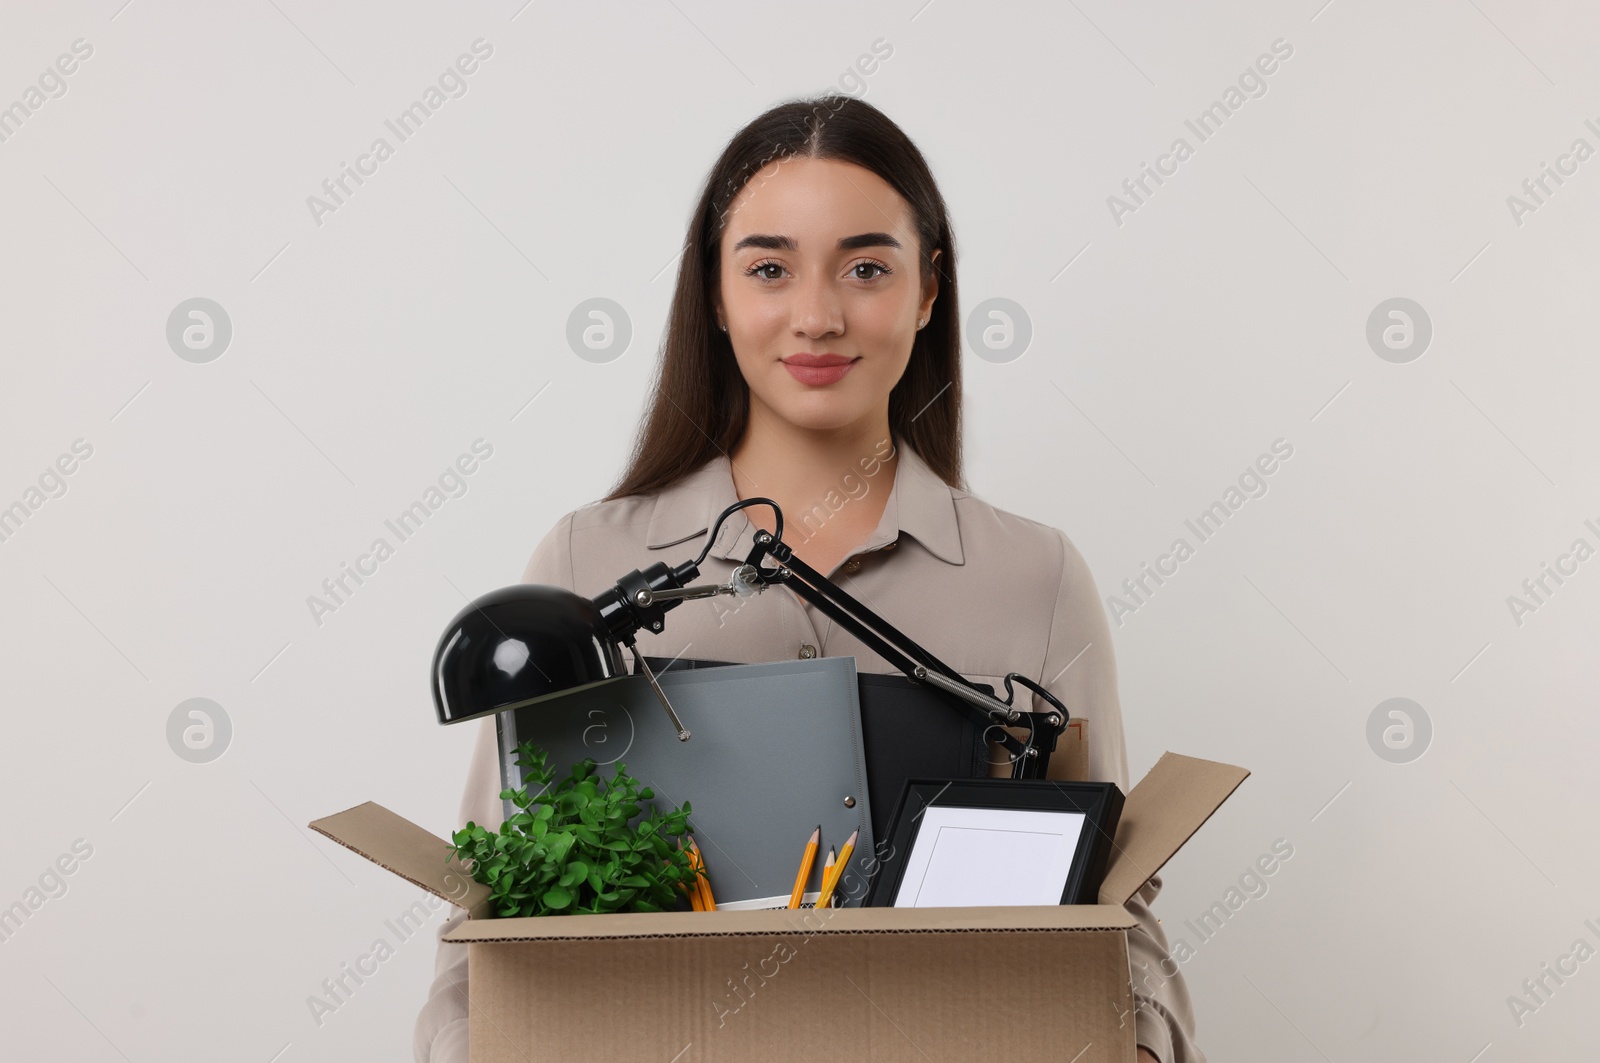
{"points": [[831, 882], [691, 888], [827, 875], [806, 860], [703, 880]]}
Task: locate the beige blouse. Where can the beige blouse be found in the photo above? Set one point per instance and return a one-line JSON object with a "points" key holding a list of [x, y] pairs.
{"points": [[984, 590]]}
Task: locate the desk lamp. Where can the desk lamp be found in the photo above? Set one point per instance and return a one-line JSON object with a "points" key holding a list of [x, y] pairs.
{"points": [[529, 643]]}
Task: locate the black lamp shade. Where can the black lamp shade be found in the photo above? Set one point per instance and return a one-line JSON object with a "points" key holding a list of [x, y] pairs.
{"points": [[517, 645]]}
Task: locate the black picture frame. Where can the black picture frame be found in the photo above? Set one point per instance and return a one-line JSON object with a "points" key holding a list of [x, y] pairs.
{"points": [[1099, 802]]}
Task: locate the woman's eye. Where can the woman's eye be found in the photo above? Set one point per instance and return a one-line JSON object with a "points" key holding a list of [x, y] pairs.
{"points": [[758, 270], [882, 270]]}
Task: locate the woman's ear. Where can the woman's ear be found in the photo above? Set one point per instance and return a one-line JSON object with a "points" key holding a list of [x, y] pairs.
{"points": [[930, 289]]}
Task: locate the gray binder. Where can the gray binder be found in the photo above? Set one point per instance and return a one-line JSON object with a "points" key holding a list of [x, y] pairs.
{"points": [[776, 750]]}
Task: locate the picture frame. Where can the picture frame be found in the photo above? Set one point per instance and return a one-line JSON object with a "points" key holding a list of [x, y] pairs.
{"points": [[963, 842]]}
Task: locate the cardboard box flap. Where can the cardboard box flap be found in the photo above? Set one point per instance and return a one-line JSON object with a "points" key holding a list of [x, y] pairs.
{"points": [[798, 921], [408, 850], [1164, 810]]}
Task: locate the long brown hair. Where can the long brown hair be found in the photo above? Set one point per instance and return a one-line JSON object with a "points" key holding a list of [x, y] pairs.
{"points": [[701, 402]]}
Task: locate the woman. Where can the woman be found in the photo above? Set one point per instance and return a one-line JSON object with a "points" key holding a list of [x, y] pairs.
{"points": [[813, 357]]}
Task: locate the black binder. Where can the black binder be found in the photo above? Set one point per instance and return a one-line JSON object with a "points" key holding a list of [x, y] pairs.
{"points": [[908, 731]]}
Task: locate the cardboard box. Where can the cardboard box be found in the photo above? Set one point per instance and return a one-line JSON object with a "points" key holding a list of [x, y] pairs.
{"points": [[879, 984]]}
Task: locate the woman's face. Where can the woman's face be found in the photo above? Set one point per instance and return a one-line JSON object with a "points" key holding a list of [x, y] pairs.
{"points": [[819, 259]]}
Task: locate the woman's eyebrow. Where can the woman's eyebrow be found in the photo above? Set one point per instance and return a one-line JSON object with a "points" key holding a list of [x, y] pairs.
{"points": [[768, 243], [853, 243], [846, 243]]}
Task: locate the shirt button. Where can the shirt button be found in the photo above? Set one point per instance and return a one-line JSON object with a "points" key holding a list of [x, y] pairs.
{"points": [[853, 565], [807, 652]]}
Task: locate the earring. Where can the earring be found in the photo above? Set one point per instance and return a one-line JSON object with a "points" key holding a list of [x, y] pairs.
{"points": [[921, 323], [722, 326]]}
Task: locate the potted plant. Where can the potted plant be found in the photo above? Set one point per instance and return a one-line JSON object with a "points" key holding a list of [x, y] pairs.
{"points": [[574, 848]]}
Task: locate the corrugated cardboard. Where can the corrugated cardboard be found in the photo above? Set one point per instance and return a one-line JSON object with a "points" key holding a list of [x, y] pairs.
{"points": [[875, 984], [1162, 811], [1069, 762], [399, 845]]}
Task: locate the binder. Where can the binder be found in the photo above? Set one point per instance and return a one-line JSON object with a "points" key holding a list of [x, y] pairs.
{"points": [[776, 749], [908, 731]]}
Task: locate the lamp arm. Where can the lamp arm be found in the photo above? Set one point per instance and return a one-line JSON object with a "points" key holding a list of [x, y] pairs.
{"points": [[745, 581], [1029, 759], [640, 598], [655, 684]]}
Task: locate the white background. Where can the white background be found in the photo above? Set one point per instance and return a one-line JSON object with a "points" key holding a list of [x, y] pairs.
{"points": [[1168, 351]]}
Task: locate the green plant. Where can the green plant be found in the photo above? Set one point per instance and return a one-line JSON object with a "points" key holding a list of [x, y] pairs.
{"points": [[571, 849]]}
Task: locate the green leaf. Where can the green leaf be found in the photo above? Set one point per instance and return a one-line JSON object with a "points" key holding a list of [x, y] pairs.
{"points": [[577, 845]]}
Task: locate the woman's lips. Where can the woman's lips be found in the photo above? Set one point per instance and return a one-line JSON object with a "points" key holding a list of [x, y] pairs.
{"points": [[819, 375]]}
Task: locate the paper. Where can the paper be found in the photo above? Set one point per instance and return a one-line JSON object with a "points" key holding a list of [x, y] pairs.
{"points": [[758, 903], [985, 856]]}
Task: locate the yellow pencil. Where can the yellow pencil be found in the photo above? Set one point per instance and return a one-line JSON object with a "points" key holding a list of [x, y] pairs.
{"points": [[707, 902], [806, 861], [831, 882], [689, 887]]}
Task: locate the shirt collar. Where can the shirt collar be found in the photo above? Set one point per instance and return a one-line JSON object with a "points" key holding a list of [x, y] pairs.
{"points": [[920, 504]]}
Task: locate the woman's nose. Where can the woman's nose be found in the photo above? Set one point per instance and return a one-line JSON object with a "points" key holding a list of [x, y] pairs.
{"points": [[817, 310]]}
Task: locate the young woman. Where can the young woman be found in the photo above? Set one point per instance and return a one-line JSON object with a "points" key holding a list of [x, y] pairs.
{"points": [[812, 357]]}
